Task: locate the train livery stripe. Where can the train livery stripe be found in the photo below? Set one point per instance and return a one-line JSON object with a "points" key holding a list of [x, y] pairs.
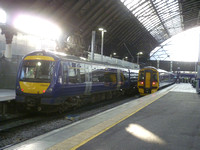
{"points": [[33, 88], [38, 57]]}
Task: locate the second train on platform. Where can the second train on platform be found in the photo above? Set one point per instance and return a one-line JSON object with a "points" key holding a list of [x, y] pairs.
{"points": [[151, 79]]}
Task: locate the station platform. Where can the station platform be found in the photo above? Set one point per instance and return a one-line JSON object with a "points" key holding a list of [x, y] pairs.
{"points": [[6, 95], [165, 120]]}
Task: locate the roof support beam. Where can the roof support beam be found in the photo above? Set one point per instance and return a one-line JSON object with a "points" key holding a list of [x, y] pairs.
{"points": [[160, 18]]}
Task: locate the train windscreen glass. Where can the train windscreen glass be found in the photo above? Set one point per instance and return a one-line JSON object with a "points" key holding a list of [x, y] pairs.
{"points": [[154, 76], [141, 76], [37, 70]]}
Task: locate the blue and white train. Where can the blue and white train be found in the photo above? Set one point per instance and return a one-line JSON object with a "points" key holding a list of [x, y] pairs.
{"points": [[48, 81]]}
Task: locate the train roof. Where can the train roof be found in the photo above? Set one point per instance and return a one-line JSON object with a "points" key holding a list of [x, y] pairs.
{"points": [[159, 70], [62, 56]]}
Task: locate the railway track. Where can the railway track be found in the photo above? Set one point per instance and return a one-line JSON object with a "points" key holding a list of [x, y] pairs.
{"points": [[18, 122]]}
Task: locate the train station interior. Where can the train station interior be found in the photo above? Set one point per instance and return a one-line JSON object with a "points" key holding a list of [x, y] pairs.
{"points": [[109, 74]]}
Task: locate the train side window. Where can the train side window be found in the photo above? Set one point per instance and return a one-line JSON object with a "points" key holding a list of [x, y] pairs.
{"points": [[107, 77], [97, 76], [72, 75], [110, 77]]}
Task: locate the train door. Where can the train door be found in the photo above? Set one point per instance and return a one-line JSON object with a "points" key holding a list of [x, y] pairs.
{"points": [[147, 80]]}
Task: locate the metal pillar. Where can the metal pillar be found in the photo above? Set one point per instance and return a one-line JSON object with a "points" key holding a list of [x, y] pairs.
{"points": [[138, 59], [171, 66], [8, 52], [92, 44], [102, 35], [9, 32], [158, 64]]}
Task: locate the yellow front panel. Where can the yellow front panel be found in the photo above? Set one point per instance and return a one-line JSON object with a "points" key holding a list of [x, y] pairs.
{"points": [[154, 90], [33, 88], [141, 91], [38, 57], [148, 80]]}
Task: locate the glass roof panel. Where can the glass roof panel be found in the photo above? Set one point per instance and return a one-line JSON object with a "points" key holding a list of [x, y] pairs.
{"points": [[185, 43], [160, 17]]}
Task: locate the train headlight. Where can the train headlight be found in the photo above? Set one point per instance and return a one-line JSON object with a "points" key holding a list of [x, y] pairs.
{"points": [[154, 83]]}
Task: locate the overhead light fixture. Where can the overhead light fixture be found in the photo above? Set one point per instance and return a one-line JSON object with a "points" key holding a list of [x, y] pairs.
{"points": [[102, 29]]}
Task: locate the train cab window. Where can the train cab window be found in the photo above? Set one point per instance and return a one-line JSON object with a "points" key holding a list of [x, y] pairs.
{"points": [[154, 77], [141, 76], [37, 70]]}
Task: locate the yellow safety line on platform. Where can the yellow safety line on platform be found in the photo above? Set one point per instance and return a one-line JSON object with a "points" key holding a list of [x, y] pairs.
{"points": [[84, 142], [87, 135]]}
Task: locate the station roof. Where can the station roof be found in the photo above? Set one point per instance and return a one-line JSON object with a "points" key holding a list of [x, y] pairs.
{"points": [[132, 25]]}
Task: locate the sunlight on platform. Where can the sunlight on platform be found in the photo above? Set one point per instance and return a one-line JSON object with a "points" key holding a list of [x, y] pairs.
{"points": [[184, 87], [144, 135]]}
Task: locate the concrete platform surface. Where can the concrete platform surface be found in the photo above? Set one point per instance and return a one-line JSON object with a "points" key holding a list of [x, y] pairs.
{"points": [[170, 123]]}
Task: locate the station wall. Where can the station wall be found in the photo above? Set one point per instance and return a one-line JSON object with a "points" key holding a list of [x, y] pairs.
{"points": [[22, 44]]}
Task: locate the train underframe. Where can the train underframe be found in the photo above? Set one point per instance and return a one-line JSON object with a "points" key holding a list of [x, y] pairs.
{"points": [[33, 104]]}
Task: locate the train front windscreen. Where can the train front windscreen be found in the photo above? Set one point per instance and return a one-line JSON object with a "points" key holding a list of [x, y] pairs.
{"points": [[37, 71]]}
